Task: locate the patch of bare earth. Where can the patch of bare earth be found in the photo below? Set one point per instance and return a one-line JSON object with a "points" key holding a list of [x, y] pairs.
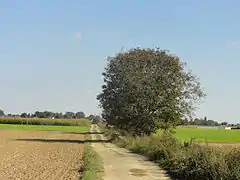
{"points": [[38, 155]]}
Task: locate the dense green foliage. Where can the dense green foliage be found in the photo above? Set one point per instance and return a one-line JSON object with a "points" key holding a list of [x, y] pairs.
{"points": [[40, 121], [147, 89], [185, 161]]}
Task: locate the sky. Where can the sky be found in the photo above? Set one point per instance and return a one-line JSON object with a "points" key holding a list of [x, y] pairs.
{"points": [[52, 53]]}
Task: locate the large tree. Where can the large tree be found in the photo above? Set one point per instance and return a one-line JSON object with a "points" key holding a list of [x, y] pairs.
{"points": [[147, 89]]}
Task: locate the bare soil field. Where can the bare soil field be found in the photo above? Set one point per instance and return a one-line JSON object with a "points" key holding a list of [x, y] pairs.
{"points": [[40, 155]]}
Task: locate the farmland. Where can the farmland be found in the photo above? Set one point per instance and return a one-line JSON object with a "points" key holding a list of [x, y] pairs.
{"points": [[211, 135], [41, 151], [43, 128], [45, 121], [29, 155]]}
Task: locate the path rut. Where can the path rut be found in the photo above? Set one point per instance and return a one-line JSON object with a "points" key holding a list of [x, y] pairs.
{"points": [[120, 163]]}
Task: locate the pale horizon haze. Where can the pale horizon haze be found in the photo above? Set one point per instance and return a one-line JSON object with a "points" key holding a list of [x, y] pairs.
{"points": [[52, 53]]}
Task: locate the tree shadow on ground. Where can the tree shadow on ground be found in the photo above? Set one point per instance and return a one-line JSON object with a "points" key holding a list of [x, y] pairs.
{"points": [[84, 133], [64, 141]]}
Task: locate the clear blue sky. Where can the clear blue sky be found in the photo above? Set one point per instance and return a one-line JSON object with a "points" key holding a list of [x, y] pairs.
{"points": [[44, 66]]}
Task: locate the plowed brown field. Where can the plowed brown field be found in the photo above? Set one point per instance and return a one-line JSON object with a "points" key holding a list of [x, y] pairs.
{"points": [[38, 155]]}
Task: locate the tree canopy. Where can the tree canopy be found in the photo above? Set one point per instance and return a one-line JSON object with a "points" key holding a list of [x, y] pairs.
{"points": [[147, 89]]}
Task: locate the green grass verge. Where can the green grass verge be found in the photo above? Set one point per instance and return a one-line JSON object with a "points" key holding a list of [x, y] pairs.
{"points": [[92, 168], [44, 128], [207, 135]]}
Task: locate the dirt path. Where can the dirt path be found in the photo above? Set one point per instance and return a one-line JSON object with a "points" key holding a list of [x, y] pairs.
{"points": [[120, 164], [35, 155]]}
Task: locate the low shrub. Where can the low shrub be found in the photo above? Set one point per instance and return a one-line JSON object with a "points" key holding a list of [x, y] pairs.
{"points": [[198, 162], [233, 161], [40, 121], [184, 161]]}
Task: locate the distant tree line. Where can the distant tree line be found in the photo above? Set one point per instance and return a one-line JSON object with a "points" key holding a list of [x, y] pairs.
{"points": [[55, 115], [203, 122]]}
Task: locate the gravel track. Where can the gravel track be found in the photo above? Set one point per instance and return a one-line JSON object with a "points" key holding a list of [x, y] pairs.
{"points": [[121, 164], [27, 155]]}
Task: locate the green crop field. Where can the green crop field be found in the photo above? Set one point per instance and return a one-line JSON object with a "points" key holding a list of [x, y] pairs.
{"points": [[44, 128], [43, 121], [207, 135]]}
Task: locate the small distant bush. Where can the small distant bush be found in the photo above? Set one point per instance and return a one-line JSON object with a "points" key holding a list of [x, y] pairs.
{"points": [[40, 121], [187, 161]]}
